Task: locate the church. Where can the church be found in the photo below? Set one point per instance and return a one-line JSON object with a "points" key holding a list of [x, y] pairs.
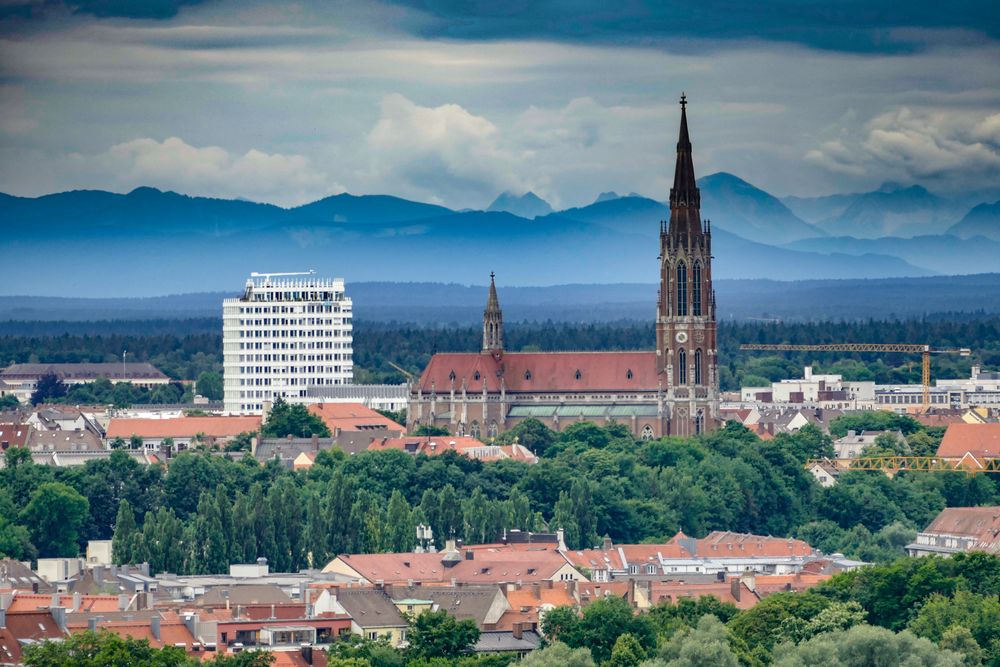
{"points": [[673, 390]]}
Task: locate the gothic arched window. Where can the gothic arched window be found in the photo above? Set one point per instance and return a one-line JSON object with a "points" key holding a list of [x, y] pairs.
{"points": [[527, 375], [699, 422], [475, 430], [697, 366], [647, 433], [682, 366], [696, 290], [492, 431], [628, 374], [682, 289]]}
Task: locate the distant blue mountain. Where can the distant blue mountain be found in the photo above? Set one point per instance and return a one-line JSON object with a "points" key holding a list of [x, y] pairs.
{"points": [[983, 220], [745, 210], [942, 254], [529, 205], [365, 209], [892, 210], [153, 242]]}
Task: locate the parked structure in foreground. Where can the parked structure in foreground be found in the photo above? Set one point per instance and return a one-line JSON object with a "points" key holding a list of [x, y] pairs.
{"points": [[286, 332]]}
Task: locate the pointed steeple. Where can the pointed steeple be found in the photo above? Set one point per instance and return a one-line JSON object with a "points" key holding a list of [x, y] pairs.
{"points": [[493, 322], [685, 191]]}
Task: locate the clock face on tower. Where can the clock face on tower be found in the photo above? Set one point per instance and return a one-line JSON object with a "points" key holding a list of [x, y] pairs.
{"points": [[681, 337]]}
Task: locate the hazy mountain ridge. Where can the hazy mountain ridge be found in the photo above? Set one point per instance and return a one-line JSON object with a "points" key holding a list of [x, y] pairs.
{"points": [[153, 241], [529, 205], [982, 220]]}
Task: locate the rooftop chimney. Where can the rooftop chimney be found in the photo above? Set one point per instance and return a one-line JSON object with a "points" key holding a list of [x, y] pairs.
{"points": [[59, 616]]}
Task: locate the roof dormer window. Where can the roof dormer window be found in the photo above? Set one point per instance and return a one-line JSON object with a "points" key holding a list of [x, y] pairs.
{"points": [[477, 376], [628, 374], [578, 374], [451, 376], [527, 375]]}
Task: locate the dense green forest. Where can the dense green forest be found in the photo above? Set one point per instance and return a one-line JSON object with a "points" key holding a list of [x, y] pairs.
{"points": [[185, 349], [205, 511]]}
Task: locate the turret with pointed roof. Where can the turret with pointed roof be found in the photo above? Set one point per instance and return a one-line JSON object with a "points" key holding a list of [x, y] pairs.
{"points": [[493, 322]]}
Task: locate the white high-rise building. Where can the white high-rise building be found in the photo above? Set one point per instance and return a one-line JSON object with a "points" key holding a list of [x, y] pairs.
{"points": [[288, 332]]}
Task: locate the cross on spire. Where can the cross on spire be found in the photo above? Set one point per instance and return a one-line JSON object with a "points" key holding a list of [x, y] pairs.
{"points": [[684, 100]]}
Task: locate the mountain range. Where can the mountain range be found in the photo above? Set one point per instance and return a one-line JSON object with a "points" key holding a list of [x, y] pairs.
{"points": [[152, 242]]}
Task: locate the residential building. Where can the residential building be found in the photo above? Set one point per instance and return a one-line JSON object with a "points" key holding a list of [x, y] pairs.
{"points": [[959, 529], [286, 333], [470, 447], [22, 379], [671, 390], [851, 445], [64, 418], [718, 552], [981, 441], [183, 431], [14, 435], [824, 472], [372, 612], [340, 417], [481, 564]]}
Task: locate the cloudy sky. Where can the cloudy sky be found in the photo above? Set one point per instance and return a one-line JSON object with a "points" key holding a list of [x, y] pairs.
{"points": [[454, 101]]}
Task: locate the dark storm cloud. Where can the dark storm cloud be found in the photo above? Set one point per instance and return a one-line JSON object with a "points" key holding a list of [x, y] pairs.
{"points": [[134, 9], [840, 25]]}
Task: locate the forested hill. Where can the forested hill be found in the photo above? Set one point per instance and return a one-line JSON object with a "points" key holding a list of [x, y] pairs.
{"points": [[438, 303], [184, 349]]}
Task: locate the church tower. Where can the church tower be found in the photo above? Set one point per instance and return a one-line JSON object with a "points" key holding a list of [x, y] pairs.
{"points": [[493, 323], [686, 355]]}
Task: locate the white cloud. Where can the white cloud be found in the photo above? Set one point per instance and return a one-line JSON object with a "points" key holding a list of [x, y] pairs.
{"points": [[207, 171], [944, 148], [443, 153]]}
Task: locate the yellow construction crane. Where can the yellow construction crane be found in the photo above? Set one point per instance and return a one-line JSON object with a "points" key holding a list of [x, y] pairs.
{"points": [[904, 348], [890, 465]]}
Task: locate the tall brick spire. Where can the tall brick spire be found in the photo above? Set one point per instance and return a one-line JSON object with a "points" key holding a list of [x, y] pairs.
{"points": [[685, 198], [493, 322]]}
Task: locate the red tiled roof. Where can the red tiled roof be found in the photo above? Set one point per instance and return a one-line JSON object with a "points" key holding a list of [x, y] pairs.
{"points": [[981, 440], [352, 417], [672, 591], [542, 371], [488, 566], [14, 435], [434, 445], [24, 602], [171, 634], [183, 427]]}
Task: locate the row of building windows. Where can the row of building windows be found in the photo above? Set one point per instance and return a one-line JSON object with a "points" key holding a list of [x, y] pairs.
{"points": [[295, 321], [682, 289], [293, 357], [308, 308], [293, 333], [320, 345]]}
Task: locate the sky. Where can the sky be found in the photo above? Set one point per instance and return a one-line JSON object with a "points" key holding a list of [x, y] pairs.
{"points": [[455, 101]]}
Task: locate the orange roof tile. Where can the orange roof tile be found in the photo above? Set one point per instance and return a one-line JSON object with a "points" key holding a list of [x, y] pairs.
{"points": [[183, 427], [23, 602], [981, 440], [352, 417]]}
